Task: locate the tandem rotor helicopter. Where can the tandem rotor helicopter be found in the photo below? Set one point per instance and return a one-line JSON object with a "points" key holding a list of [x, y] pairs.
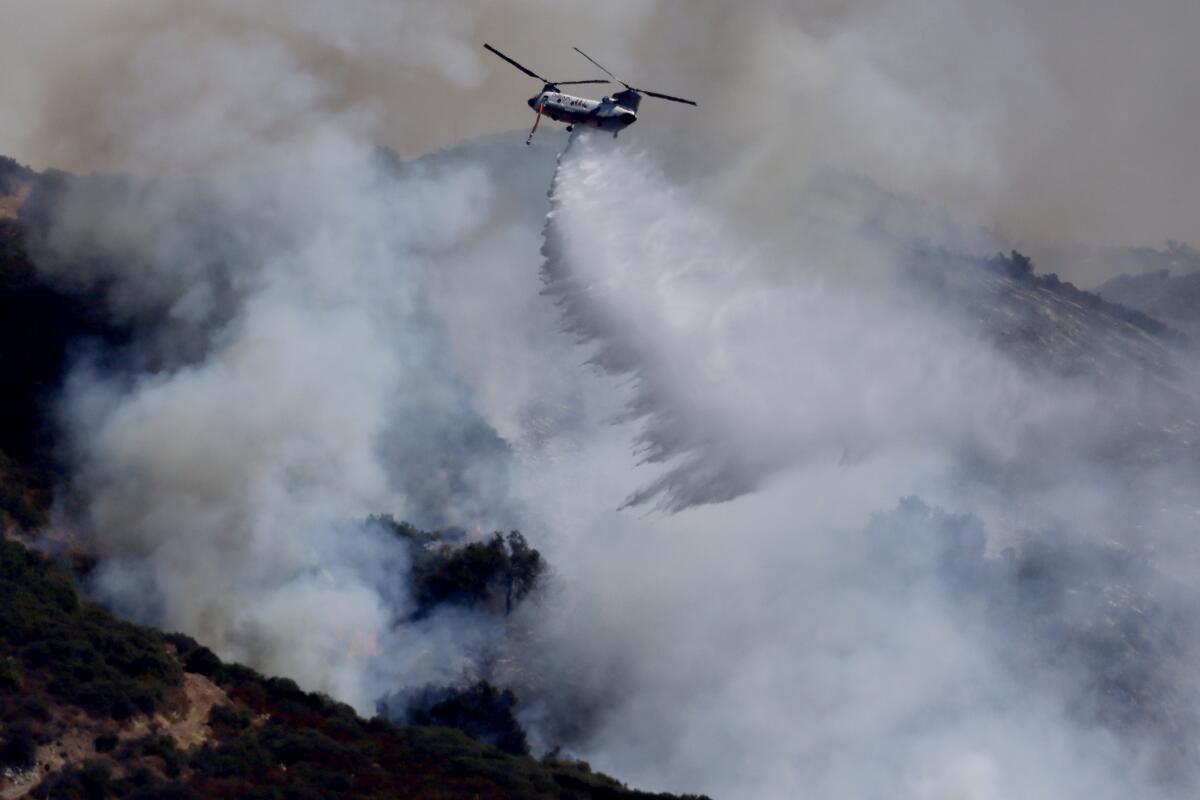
{"points": [[614, 113]]}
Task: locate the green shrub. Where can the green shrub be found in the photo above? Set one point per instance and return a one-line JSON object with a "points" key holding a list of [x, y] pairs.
{"points": [[240, 757], [160, 746], [482, 711], [107, 667], [494, 575], [292, 746], [202, 661], [344, 729], [237, 675], [231, 717], [334, 782]]}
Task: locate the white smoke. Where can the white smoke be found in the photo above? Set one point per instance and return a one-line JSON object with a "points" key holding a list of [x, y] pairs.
{"points": [[225, 484], [325, 334], [1013, 114], [770, 650], [771, 656], [747, 362]]}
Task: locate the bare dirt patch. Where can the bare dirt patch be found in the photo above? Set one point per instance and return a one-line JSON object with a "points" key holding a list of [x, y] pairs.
{"points": [[10, 204], [187, 723]]}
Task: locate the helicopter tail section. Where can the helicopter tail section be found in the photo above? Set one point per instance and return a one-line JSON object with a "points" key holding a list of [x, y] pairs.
{"points": [[628, 99]]}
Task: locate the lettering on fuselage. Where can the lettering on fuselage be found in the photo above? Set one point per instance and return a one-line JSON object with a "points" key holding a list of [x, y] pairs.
{"points": [[566, 102]]}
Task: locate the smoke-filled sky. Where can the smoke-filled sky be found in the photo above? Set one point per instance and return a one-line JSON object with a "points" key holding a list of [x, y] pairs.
{"points": [[690, 364], [1068, 122]]}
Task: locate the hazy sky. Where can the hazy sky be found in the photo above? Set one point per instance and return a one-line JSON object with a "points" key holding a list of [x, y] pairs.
{"points": [[1071, 121]]}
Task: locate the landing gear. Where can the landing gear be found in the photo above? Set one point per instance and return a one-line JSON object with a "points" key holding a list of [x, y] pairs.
{"points": [[614, 134], [570, 128]]}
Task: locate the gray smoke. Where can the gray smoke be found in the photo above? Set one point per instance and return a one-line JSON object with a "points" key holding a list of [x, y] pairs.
{"points": [[745, 363], [326, 332], [802, 642], [221, 482], [1058, 124]]}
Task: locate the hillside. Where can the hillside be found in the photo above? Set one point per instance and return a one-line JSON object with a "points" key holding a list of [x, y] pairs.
{"points": [[92, 706], [1172, 296], [1141, 365], [95, 707]]}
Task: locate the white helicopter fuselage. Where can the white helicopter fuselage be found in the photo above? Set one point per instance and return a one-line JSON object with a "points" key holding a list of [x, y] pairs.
{"points": [[614, 113], [607, 114]]}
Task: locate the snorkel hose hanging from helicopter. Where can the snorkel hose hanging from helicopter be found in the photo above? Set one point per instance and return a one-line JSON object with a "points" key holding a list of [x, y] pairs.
{"points": [[537, 119], [613, 113]]}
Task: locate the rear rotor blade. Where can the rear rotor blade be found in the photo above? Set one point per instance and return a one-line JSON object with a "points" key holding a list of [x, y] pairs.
{"points": [[602, 69], [524, 69], [593, 80], [668, 97]]}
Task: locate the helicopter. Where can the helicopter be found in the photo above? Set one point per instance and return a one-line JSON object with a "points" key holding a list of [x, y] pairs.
{"points": [[615, 112]]}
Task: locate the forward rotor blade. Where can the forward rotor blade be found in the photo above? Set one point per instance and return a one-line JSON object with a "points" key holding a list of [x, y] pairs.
{"points": [[668, 97], [593, 80], [521, 67], [602, 69]]}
